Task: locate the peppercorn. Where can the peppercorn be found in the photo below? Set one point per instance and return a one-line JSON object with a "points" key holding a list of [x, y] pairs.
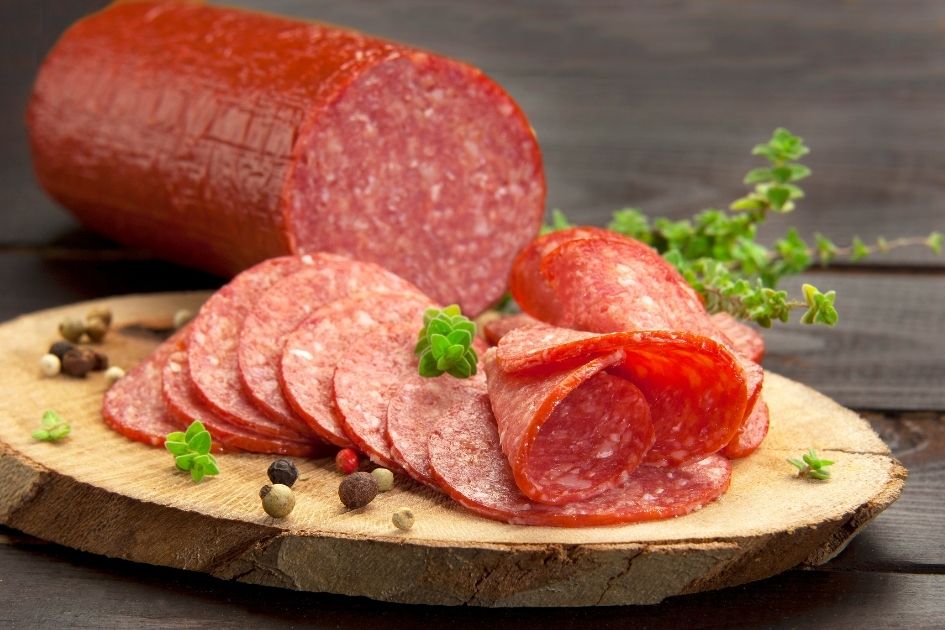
{"points": [[384, 478], [403, 518], [278, 500], [182, 316], [101, 362], [102, 313], [72, 329], [347, 461], [283, 471], [113, 374], [357, 489], [49, 365], [78, 362], [60, 348], [96, 329]]}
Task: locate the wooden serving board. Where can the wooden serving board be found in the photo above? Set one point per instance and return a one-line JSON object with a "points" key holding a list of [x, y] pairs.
{"points": [[99, 492]]}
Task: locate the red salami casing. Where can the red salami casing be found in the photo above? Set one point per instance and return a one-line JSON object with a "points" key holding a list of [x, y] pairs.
{"points": [[218, 138]]}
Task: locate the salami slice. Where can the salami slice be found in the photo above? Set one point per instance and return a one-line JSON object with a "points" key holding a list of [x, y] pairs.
{"points": [[133, 406], [416, 409], [213, 346], [184, 404], [745, 339], [468, 463], [569, 433], [284, 306], [496, 329], [619, 284], [694, 387], [361, 325], [529, 287], [751, 434]]}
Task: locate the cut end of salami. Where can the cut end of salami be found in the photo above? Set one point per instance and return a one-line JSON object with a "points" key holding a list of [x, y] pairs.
{"points": [[751, 434], [435, 157], [468, 463]]}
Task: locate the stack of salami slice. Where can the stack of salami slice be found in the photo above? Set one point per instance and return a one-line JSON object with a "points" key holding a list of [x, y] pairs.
{"points": [[615, 398]]}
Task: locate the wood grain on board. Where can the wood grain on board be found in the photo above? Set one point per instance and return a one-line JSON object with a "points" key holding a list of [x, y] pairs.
{"points": [[136, 508]]}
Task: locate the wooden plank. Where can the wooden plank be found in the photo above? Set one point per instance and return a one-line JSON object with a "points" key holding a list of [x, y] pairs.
{"points": [[909, 536], [655, 105], [57, 587], [886, 352]]}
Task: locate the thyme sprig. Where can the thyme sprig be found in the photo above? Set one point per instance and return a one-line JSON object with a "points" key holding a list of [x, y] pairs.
{"points": [[54, 428], [444, 344], [812, 466], [717, 252], [191, 451]]}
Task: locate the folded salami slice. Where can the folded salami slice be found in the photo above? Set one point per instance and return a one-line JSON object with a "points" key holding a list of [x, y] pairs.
{"points": [[569, 432], [610, 284], [284, 306], [694, 387], [186, 406], [468, 463], [417, 409], [498, 328], [214, 341], [750, 434], [529, 287], [133, 406], [746, 339], [364, 325]]}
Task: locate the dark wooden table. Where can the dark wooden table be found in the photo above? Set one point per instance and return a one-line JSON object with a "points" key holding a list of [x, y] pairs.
{"points": [[647, 104]]}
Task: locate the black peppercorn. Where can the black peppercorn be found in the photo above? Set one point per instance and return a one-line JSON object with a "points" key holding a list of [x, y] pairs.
{"points": [[60, 348], [283, 471], [357, 489], [101, 362]]}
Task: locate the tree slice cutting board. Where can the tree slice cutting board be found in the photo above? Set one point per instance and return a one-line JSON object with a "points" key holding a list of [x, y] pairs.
{"points": [[99, 492]]}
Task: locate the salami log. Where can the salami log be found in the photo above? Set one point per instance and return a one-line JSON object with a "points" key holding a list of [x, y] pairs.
{"points": [[218, 138], [284, 306], [133, 406], [213, 344], [364, 325], [468, 463]]}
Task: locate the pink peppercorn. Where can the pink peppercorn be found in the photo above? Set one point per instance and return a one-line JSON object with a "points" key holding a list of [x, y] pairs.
{"points": [[347, 461]]}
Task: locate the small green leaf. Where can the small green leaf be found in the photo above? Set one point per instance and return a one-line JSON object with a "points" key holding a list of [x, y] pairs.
{"points": [[195, 427], [59, 432], [197, 472], [210, 467], [438, 327], [176, 436], [460, 337], [749, 203], [41, 435], [796, 462], [860, 250], [428, 366], [778, 197], [934, 242], [422, 346], [184, 462], [51, 419], [177, 448], [200, 442], [439, 344]]}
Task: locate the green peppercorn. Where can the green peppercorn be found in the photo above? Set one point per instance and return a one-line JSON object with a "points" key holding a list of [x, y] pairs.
{"points": [[384, 478], [96, 329], [72, 329], [403, 518], [277, 500], [102, 313], [357, 489]]}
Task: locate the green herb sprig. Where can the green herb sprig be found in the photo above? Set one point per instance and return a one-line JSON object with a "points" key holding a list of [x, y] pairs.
{"points": [[191, 451], [54, 428], [716, 251], [812, 466], [444, 344]]}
